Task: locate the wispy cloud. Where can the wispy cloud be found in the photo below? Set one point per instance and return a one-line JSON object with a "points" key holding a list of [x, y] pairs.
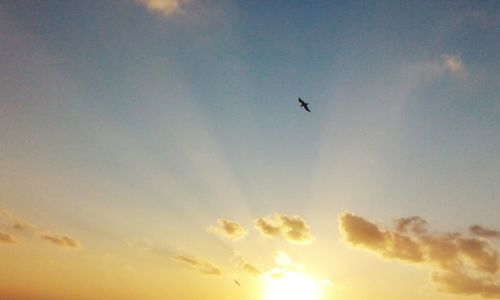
{"points": [[453, 63], [7, 238], [448, 63], [293, 228], [198, 264], [251, 269], [246, 266], [484, 232], [230, 229], [61, 240], [10, 220], [12, 223], [164, 8], [461, 264]]}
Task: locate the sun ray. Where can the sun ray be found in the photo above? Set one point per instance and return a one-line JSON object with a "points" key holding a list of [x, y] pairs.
{"points": [[282, 284]]}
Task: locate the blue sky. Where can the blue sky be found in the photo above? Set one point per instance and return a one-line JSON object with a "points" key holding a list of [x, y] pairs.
{"points": [[192, 114]]}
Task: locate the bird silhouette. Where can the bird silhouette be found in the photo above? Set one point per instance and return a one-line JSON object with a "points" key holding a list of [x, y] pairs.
{"points": [[236, 281], [304, 105]]}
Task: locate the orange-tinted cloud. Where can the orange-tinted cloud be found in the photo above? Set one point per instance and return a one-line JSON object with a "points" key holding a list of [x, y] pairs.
{"points": [[61, 240], [461, 265], [198, 264], [484, 232], [246, 266], [415, 224], [230, 229], [164, 8], [7, 238], [12, 221], [390, 244], [293, 228], [251, 270], [267, 227], [457, 282], [453, 63]]}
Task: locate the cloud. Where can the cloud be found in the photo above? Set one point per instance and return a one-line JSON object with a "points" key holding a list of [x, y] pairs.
{"points": [[457, 282], [453, 63], [267, 227], [293, 228], [414, 224], [363, 233], [198, 264], [7, 238], [230, 229], [164, 8], [251, 270], [449, 63], [484, 232], [15, 223], [61, 240], [245, 266], [10, 220], [461, 264]]}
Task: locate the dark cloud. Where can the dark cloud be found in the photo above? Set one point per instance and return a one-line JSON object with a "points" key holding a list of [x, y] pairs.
{"points": [[230, 229], [461, 264], [484, 232], [293, 228], [61, 240], [198, 264], [7, 238]]}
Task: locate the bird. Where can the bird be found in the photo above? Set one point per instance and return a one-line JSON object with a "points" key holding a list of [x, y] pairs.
{"points": [[304, 105], [236, 281]]}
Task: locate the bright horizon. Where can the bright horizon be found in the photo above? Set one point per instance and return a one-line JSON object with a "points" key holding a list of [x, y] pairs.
{"points": [[156, 149]]}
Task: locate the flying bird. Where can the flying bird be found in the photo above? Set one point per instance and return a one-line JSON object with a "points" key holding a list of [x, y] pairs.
{"points": [[236, 281], [304, 105]]}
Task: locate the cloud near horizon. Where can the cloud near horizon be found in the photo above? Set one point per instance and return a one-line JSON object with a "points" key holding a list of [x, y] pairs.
{"points": [[163, 8], [460, 264], [10, 220], [7, 238], [293, 228], [230, 229], [198, 264], [484, 232], [246, 266], [64, 241]]}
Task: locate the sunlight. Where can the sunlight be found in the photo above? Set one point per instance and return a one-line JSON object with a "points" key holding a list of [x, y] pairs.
{"points": [[291, 286]]}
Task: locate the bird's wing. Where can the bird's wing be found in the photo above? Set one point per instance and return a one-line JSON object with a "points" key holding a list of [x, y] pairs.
{"points": [[300, 100], [307, 108]]}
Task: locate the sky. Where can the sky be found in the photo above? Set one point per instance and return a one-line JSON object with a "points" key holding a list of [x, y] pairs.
{"points": [[155, 149]]}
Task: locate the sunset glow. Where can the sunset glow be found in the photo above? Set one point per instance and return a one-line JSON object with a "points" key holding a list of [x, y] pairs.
{"points": [[293, 286], [249, 150]]}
